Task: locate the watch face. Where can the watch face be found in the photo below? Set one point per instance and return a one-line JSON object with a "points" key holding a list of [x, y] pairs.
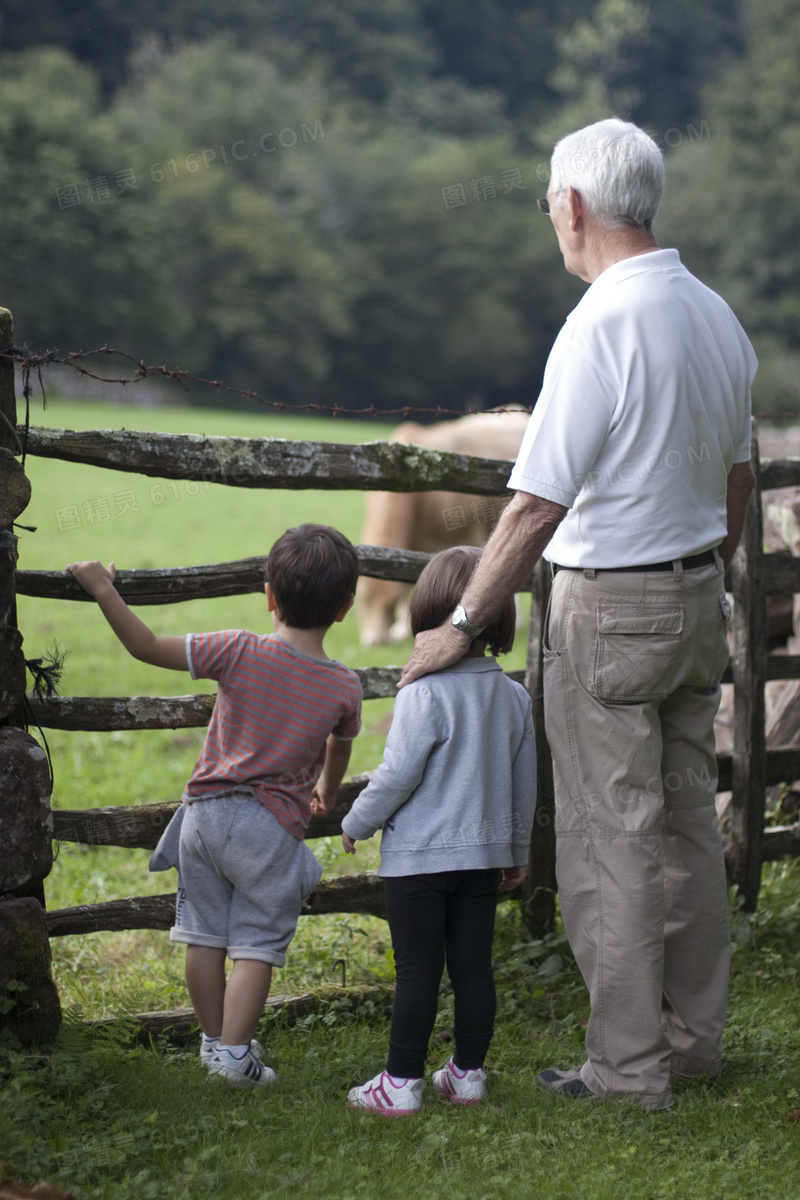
{"points": [[462, 622]]}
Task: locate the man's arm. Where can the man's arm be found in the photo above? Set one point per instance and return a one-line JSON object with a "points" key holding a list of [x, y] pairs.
{"points": [[524, 529], [741, 481], [137, 638]]}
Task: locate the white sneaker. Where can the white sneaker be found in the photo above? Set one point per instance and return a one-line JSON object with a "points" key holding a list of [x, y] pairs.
{"points": [[460, 1087], [389, 1099], [209, 1049], [245, 1072]]}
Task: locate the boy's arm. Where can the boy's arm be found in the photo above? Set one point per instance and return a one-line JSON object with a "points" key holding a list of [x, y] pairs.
{"points": [[136, 637], [337, 756]]}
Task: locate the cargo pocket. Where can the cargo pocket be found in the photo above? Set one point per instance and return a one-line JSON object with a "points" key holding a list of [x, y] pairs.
{"points": [[637, 652]]}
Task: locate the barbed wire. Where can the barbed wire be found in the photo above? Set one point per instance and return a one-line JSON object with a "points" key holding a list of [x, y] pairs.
{"points": [[30, 363]]}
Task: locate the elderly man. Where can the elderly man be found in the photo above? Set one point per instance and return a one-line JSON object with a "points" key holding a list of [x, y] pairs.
{"points": [[633, 480]]}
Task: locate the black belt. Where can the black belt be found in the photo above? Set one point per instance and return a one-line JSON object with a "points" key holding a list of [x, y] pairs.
{"points": [[694, 560]]}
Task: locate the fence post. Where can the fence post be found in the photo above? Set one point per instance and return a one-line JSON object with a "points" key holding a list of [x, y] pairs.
{"points": [[749, 676], [14, 496], [539, 889], [25, 821], [30, 1005]]}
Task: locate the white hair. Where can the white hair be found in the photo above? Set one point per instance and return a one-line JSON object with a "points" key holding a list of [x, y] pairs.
{"points": [[616, 167]]}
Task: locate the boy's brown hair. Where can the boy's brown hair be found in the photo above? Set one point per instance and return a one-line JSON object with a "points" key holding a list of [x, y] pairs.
{"points": [[440, 588], [313, 571]]}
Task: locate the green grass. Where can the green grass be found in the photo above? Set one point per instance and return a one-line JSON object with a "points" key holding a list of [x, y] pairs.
{"points": [[117, 1122]]}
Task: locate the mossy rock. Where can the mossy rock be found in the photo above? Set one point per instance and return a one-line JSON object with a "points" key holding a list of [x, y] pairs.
{"points": [[26, 822], [30, 1009]]}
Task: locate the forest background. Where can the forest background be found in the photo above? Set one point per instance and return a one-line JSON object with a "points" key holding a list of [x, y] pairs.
{"points": [[334, 202]]}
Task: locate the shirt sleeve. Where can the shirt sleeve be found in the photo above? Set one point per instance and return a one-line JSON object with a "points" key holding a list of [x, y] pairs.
{"points": [[568, 426], [210, 654], [744, 451], [414, 732], [350, 724]]}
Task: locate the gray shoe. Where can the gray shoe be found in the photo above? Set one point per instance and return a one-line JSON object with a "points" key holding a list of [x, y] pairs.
{"points": [[209, 1049], [566, 1083], [245, 1072]]}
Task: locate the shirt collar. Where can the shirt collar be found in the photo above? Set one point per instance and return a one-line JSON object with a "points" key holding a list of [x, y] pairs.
{"points": [[626, 268], [475, 664], [640, 264]]}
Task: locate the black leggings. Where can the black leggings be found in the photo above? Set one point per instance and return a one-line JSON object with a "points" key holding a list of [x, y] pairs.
{"points": [[432, 917]]}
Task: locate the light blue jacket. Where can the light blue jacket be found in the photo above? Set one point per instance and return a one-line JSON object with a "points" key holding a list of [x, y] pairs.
{"points": [[457, 787]]}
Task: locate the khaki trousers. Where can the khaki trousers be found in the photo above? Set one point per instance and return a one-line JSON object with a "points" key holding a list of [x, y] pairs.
{"points": [[631, 681]]}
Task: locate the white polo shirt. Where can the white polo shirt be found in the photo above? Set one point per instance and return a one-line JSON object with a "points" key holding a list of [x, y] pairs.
{"points": [[644, 408]]}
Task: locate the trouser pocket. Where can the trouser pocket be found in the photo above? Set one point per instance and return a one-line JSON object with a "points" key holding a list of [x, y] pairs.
{"points": [[637, 651]]}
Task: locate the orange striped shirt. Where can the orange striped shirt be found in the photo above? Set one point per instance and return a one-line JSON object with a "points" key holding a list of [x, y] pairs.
{"points": [[274, 710]]}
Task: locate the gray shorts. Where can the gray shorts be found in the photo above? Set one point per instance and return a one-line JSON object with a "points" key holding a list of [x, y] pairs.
{"points": [[243, 879]]}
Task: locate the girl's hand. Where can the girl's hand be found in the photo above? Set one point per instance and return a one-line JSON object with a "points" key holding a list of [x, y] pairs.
{"points": [[512, 877], [93, 576], [348, 843]]}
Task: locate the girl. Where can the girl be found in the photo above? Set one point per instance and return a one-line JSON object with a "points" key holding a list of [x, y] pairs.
{"points": [[455, 796]]}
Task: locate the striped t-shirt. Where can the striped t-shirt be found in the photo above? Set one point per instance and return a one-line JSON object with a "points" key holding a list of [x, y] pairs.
{"points": [[274, 710]]}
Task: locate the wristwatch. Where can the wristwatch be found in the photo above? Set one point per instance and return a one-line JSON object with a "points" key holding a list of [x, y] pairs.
{"points": [[460, 620]]}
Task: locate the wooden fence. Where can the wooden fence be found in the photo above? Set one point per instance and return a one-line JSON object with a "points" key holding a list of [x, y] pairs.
{"points": [[389, 467]]}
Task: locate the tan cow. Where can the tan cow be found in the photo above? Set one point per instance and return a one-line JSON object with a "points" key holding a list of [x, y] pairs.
{"points": [[431, 521]]}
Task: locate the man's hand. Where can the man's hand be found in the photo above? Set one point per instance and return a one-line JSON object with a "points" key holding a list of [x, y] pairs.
{"points": [[433, 650], [348, 843], [93, 576], [512, 878], [526, 526]]}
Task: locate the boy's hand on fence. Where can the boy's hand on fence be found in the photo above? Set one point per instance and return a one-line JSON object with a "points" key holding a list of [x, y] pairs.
{"points": [[93, 576], [512, 878], [348, 843]]}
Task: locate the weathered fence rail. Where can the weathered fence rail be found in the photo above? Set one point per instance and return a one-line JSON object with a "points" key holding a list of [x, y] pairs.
{"points": [[274, 462], [350, 893], [167, 585], [106, 713]]}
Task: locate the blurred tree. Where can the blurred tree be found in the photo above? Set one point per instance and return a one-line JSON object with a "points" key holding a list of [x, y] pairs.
{"points": [[505, 45], [459, 273], [330, 200], [307, 249], [229, 147], [370, 48], [596, 61], [689, 45], [79, 248], [732, 200], [362, 45]]}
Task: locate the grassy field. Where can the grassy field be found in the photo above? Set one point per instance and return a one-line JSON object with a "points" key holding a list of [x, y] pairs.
{"points": [[114, 1122]]}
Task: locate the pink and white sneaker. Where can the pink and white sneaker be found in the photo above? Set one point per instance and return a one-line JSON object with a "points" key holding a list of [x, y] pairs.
{"points": [[460, 1087], [390, 1098]]}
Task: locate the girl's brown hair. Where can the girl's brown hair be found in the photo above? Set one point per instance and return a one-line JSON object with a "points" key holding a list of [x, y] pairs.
{"points": [[440, 588]]}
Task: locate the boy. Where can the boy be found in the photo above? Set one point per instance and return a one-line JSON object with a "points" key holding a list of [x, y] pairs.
{"points": [[276, 750]]}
